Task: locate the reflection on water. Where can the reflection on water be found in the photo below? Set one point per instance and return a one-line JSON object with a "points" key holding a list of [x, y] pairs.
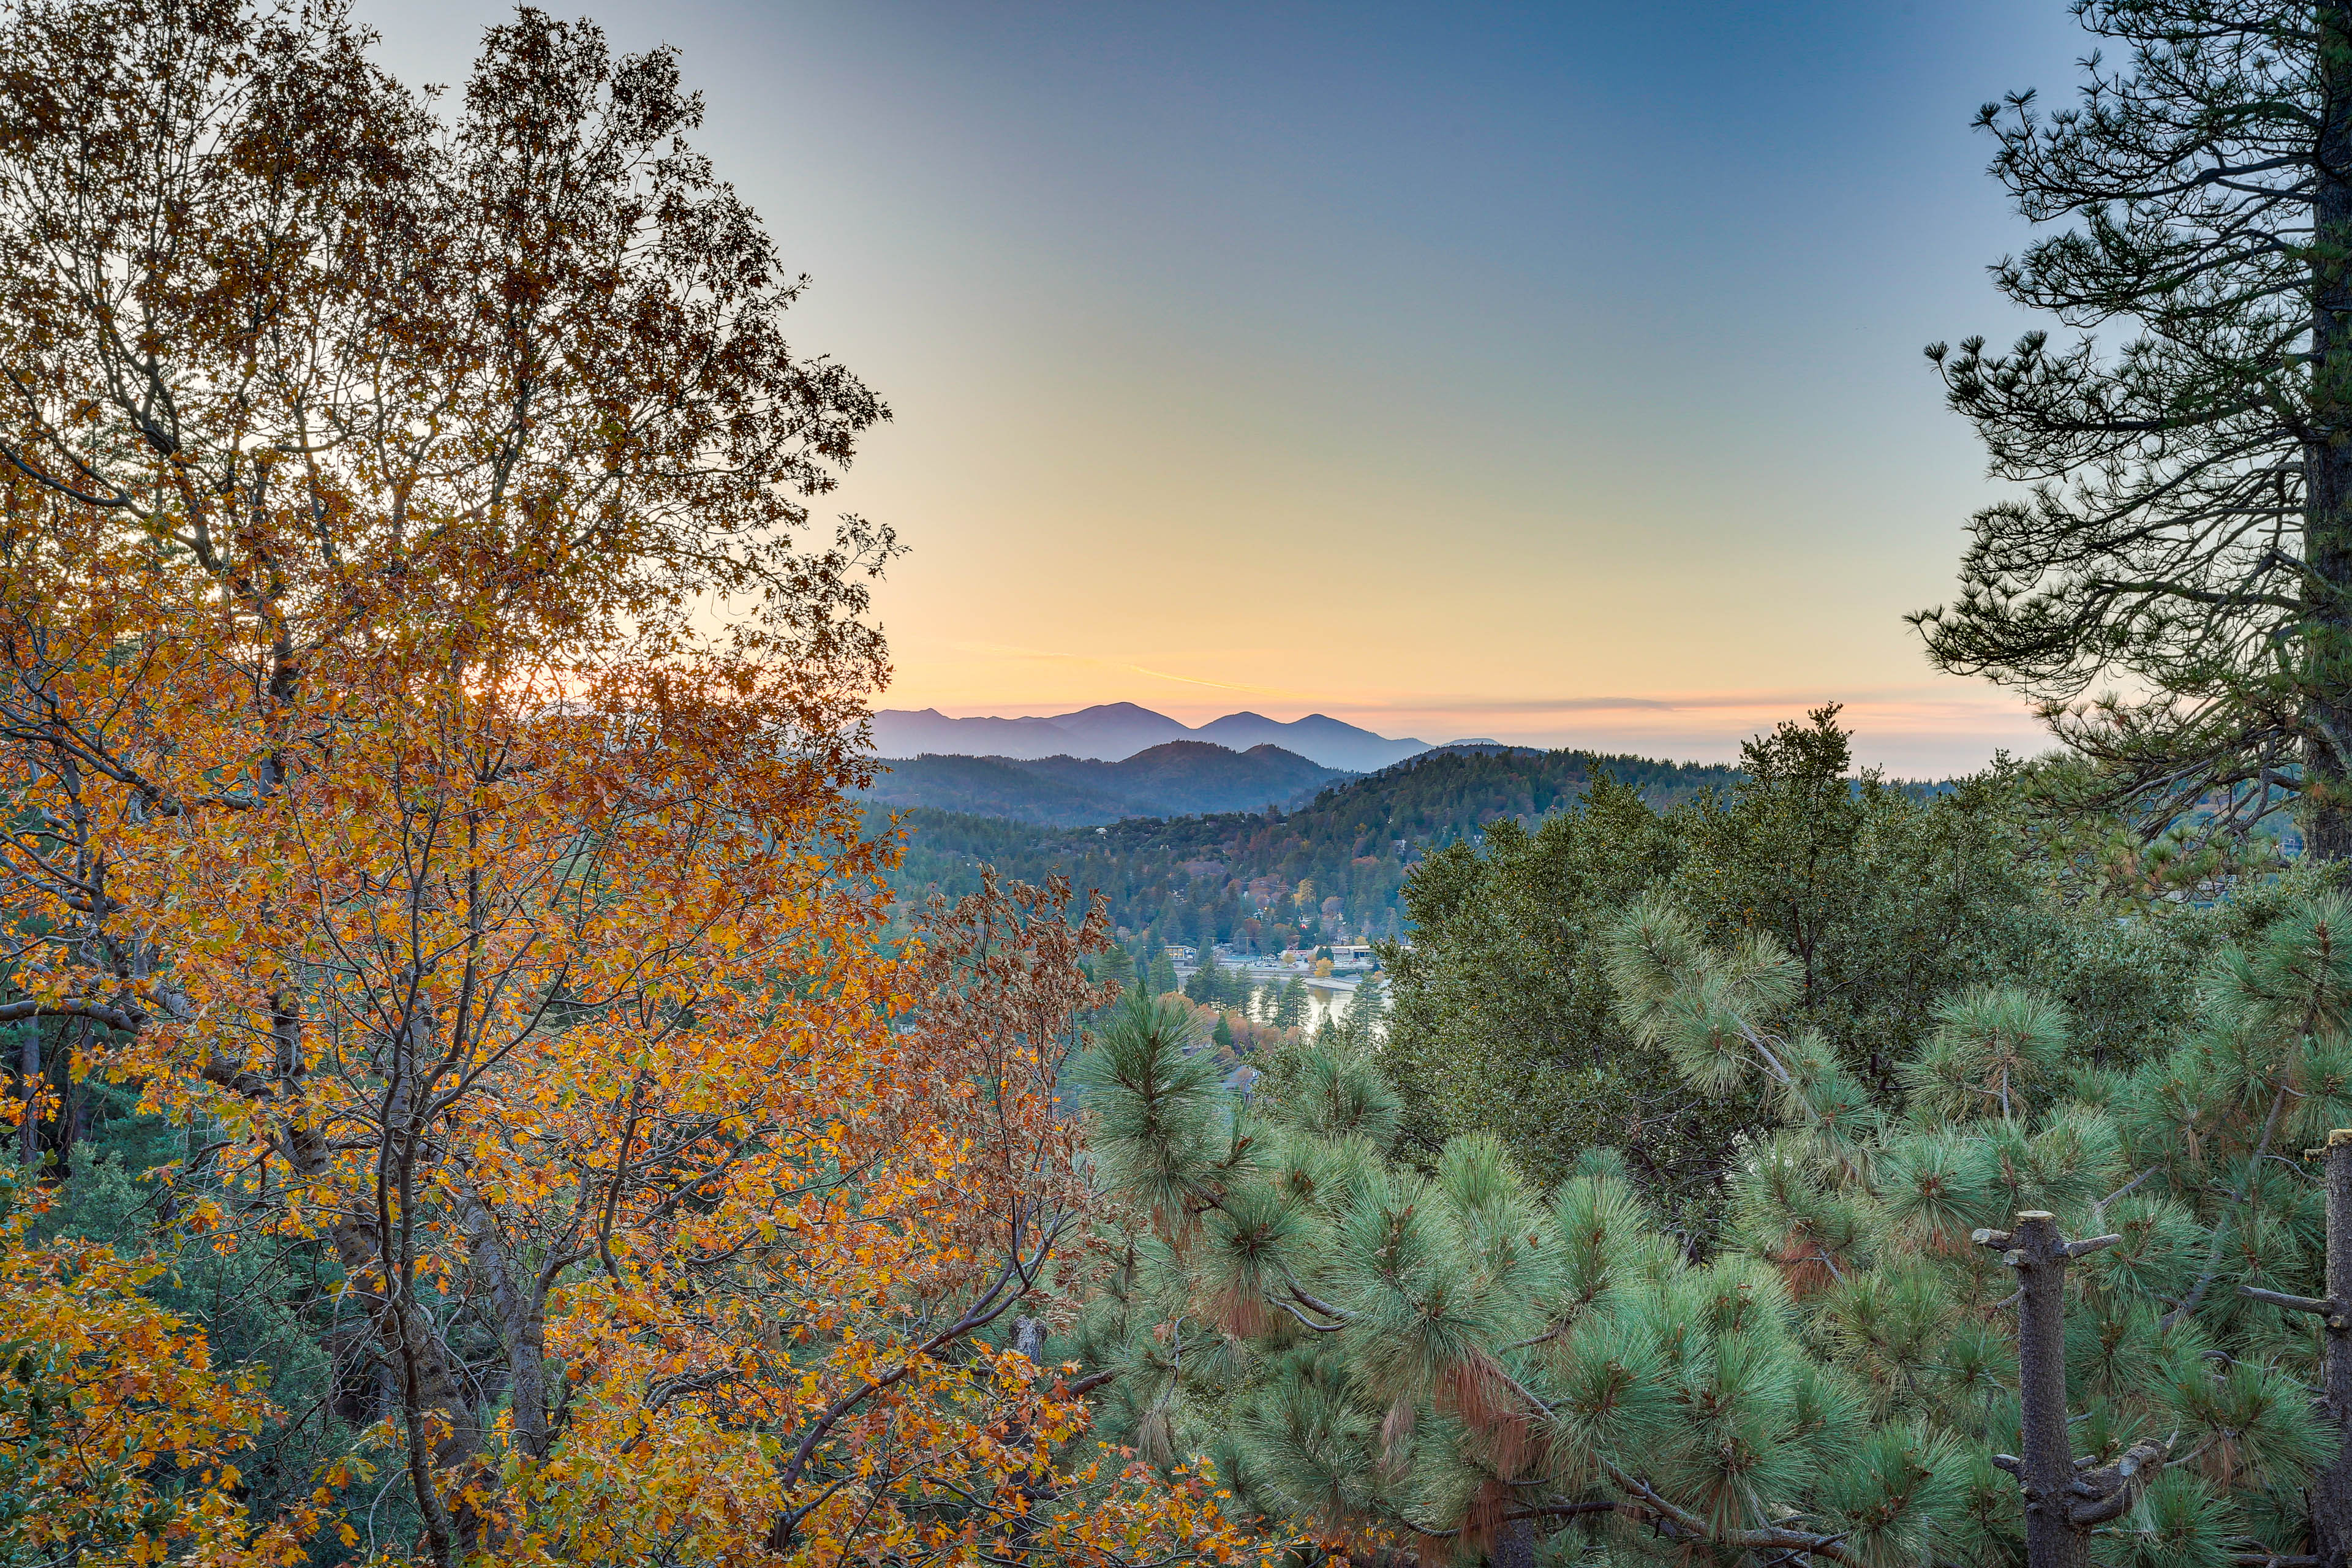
{"points": [[1325, 998]]}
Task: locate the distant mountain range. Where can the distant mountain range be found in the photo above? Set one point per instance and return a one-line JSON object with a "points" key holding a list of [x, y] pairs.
{"points": [[1115, 731], [1179, 778]]}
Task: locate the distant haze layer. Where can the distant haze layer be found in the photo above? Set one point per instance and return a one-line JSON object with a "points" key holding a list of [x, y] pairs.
{"points": [[1114, 732]]}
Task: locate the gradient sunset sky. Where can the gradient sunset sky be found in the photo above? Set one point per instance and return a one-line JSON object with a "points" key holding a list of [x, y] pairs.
{"points": [[1548, 372]]}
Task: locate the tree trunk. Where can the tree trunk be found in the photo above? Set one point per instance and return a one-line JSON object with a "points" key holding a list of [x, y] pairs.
{"points": [[519, 1296], [2327, 695], [2331, 1498], [73, 1107], [1514, 1545], [2331, 1495], [426, 1383], [2048, 1472], [2063, 1502], [28, 1125]]}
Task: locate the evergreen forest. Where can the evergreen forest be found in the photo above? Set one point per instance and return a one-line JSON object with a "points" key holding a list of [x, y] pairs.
{"points": [[1236, 876]]}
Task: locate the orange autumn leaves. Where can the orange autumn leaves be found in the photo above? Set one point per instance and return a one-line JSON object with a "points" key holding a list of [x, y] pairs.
{"points": [[567, 1013], [102, 1395], [379, 808]]}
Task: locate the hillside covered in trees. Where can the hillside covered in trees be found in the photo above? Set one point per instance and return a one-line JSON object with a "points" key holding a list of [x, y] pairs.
{"points": [[1263, 878], [1173, 779]]}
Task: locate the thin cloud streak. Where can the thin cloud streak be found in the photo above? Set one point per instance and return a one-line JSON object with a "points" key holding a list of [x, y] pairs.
{"points": [[1911, 731], [1984, 700], [1908, 729]]}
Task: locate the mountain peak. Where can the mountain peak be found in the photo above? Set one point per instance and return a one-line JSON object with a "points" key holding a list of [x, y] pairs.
{"points": [[1113, 731], [1106, 710]]}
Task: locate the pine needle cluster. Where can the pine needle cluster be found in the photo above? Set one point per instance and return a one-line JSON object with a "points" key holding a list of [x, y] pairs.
{"points": [[1449, 1360]]}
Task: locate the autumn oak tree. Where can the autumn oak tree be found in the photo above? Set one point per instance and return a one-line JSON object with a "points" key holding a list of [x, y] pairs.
{"points": [[379, 808]]}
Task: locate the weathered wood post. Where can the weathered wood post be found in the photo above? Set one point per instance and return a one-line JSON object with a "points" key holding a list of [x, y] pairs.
{"points": [[2064, 1501], [2331, 1497]]}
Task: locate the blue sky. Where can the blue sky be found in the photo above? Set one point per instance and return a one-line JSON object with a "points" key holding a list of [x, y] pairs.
{"points": [[1549, 373]]}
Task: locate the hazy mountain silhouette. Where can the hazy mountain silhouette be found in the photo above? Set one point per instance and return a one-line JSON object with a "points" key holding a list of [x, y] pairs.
{"points": [[1181, 778], [1115, 731]]}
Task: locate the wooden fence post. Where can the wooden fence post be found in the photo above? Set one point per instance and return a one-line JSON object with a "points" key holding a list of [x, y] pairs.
{"points": [[2064, 1500], [2331, 1497]]}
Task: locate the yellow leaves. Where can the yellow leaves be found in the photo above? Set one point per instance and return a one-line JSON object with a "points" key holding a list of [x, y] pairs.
{"points": [[641, 985], [108, 1404]]}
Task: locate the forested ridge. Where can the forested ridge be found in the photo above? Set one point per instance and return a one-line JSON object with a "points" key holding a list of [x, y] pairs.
{"points": [[1175, 778], [1354, 841]]}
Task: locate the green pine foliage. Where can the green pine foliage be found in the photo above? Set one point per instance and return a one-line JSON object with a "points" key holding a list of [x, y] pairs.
{"points": [[1206, 984], [1889, 902], [1115, 966], [1868, 1212], [1378, 1348], [1459, 1358]]}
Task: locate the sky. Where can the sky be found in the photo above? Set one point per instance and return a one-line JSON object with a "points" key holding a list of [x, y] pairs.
{"points": [[1544, 372]]}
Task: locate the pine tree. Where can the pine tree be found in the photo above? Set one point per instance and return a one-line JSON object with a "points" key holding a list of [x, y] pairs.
{"points": [[1163, 972], [1367, 1353], [2168, 1176], [1365, 1007], [2029, 1247], [2189, 526], [1206, 983], [1115, 967], [1290, 1007]]}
